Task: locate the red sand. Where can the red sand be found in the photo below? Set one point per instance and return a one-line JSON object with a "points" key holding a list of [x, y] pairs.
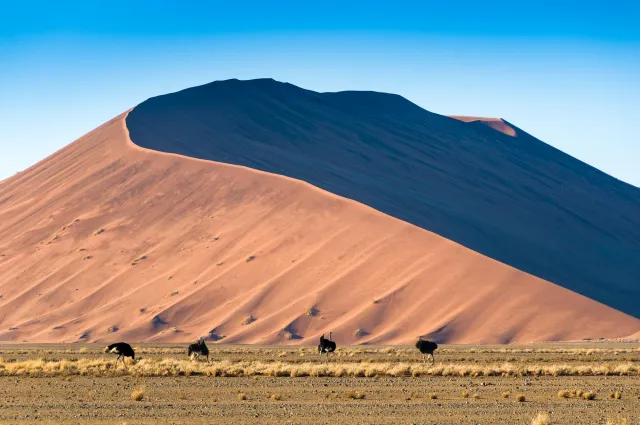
{"points": [[222, 243], [495, 123]]}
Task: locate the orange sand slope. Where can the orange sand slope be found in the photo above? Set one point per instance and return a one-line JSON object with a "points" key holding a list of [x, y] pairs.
{"points": [[108, 241], [496, 123]]}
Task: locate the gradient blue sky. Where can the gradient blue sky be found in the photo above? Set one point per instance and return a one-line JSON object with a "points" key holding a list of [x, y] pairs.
{"points": [[567, 72]]}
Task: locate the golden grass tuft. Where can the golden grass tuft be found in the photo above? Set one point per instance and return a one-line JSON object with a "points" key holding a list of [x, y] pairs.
{"points": [[506, 394], [465, 394], [521, 398], [137, 394], [541, 419], [433, 396], [616, 395], [589, 395], [476, 396], [83, 350], [242, 396], [355, 395], [276, 397]]}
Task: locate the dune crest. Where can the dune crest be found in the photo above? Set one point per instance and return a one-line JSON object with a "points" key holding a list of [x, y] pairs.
{"points": [[107, 241], [496, 123]]}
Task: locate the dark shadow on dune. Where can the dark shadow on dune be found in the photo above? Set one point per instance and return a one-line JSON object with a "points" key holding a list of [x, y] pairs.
{"points": [[517, 200]]}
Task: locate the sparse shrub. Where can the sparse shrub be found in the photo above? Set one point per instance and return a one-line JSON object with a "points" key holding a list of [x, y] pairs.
{"points": [[276, 397], [249, 320], [137, 394], [98, 232], [242, 396], [311, 312], [615, 395], [250, 258], [414, 395], [589, 395], [433, 396], [521, 398], [476, 396], [83, 350], [355, 395], [182, 396], [112, 329], [465, 394], [359, 333], [87, 257], [170, 277], [564, 394], [174, 293], [541, 419]]}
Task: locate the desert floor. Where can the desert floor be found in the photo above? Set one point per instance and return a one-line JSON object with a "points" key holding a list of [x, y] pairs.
{"points": [[77, 384]]}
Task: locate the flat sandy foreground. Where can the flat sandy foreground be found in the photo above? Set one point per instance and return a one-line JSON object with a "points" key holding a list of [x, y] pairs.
{"points": [[595, 383]]}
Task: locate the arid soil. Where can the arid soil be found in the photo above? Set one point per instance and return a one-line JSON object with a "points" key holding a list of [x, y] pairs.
{"points": [[452, 399]]}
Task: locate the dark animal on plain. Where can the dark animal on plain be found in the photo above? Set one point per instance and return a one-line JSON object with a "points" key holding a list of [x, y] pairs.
{"points": [[427, 348], [326, 346], [122, 349], [198, 349]]}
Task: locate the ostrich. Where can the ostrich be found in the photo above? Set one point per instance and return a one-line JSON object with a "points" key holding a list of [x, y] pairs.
{"points": [[122, 349], [427, 348], [198, 349], [326, 346]]}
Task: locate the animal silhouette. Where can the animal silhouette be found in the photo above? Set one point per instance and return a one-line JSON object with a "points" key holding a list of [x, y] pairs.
{"points": [[427, 348]]}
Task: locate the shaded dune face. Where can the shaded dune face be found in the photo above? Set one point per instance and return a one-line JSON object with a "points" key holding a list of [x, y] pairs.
{"points": [[514, 199], [108, 241]]}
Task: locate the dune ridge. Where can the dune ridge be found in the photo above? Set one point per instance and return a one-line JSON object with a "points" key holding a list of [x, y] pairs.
{"points": [[515, 199], [105, 241], [496, 123]]}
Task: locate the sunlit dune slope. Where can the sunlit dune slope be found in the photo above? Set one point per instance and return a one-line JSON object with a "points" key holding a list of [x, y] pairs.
{"points": [[495, 123], [108, 241]]}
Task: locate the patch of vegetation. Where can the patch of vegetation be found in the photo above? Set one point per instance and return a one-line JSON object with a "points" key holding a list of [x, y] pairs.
{"points": [[98, 232], [249, 320], [174, 293], [137, 394], [465, 394], [521, 398], [242, 396], [616, 395], [564, 394], [354, 395], [541, 419], [250, 258], [506, 394], [589, 395], [276, 397], [312, 311]]}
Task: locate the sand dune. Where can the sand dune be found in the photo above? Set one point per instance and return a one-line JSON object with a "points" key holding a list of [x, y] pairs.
{"points": [[514, 199], [496, 123], [108, 241]]}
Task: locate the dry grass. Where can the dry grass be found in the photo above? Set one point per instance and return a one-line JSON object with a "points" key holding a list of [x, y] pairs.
{"points": [[589, 395], [564, 394], [242, 396], [137, 394], [276, 397], [506, 394], [433, 396], [616, 395], [476, 396], [176, 367], [354, 395], [465, 394], [521, 398], [541, 419]]}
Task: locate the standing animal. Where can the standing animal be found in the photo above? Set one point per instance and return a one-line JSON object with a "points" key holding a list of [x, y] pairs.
{"points": [[122, 349], [427, 348], [198, 349], [326, 346]]}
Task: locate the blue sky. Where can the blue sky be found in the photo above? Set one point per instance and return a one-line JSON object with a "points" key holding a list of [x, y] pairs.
{"points": [[567, 72]]}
